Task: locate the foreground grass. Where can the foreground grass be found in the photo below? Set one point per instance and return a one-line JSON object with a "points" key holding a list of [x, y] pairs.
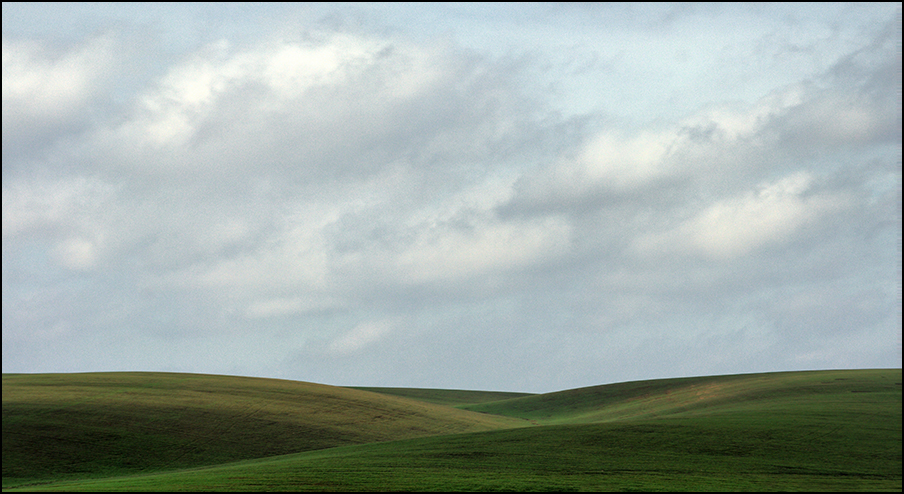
{"points": [[826, 430], [641, 456]]}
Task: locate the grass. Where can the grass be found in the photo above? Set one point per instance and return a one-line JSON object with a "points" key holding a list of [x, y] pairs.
{"points": [[450, 397], [823, 430], [687, 397], [101, 424]]}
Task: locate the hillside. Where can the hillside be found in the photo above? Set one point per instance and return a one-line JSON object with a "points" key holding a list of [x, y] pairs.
{"points": [[820, 430], [686, 397], [450, 397], [96, 424]]}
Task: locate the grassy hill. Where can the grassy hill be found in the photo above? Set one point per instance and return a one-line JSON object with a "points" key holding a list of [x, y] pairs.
{"points": [[822, 430], [101, 424], [778, 392]]}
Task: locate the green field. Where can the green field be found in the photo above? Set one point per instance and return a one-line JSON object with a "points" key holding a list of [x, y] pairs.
{"points": [[817, 430]]}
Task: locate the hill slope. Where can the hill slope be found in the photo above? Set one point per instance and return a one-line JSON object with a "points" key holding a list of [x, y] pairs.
{"points": [[695, 396], [450, 397], [96, 424], [823, 430]]}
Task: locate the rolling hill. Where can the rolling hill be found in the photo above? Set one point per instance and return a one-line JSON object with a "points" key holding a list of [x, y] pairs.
{"points": [[818, 430], [97, 424], [778, 392]]}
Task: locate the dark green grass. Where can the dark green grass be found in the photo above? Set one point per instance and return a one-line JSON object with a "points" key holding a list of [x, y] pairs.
{"points": [[100, 424], [449, 397], [826, 430], [648, 455]]}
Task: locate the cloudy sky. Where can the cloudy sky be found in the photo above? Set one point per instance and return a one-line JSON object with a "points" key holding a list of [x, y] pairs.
{"points": [[508, 197]]}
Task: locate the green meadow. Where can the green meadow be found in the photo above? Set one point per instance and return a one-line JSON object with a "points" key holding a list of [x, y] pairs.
{"points": [[814, 430]]}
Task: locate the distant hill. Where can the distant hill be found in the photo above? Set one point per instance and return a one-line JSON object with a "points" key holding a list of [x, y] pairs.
{"points": [[450, 397]]}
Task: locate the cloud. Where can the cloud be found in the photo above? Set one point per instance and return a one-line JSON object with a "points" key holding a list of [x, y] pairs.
{"points": [[314, 107], [258, 170], [736, 226], [305, 199], [714, 150], [606, 163], [49, 92], [70, 210], [360, 336], [189, 95], [444, 254], [283, 306], [856, 101], [77, 253]]}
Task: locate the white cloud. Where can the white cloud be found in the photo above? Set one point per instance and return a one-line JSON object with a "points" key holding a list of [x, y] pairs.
{"points": [[44, 89], [189, 93], [77, 253], [362, 335], [41, 206], [739, 225], [728, 122], [318, 87], [299, 259], [619, 162], [447, 253]]}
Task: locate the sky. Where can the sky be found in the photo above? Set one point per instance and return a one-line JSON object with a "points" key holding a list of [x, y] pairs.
{"points": [[513, 197]]}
